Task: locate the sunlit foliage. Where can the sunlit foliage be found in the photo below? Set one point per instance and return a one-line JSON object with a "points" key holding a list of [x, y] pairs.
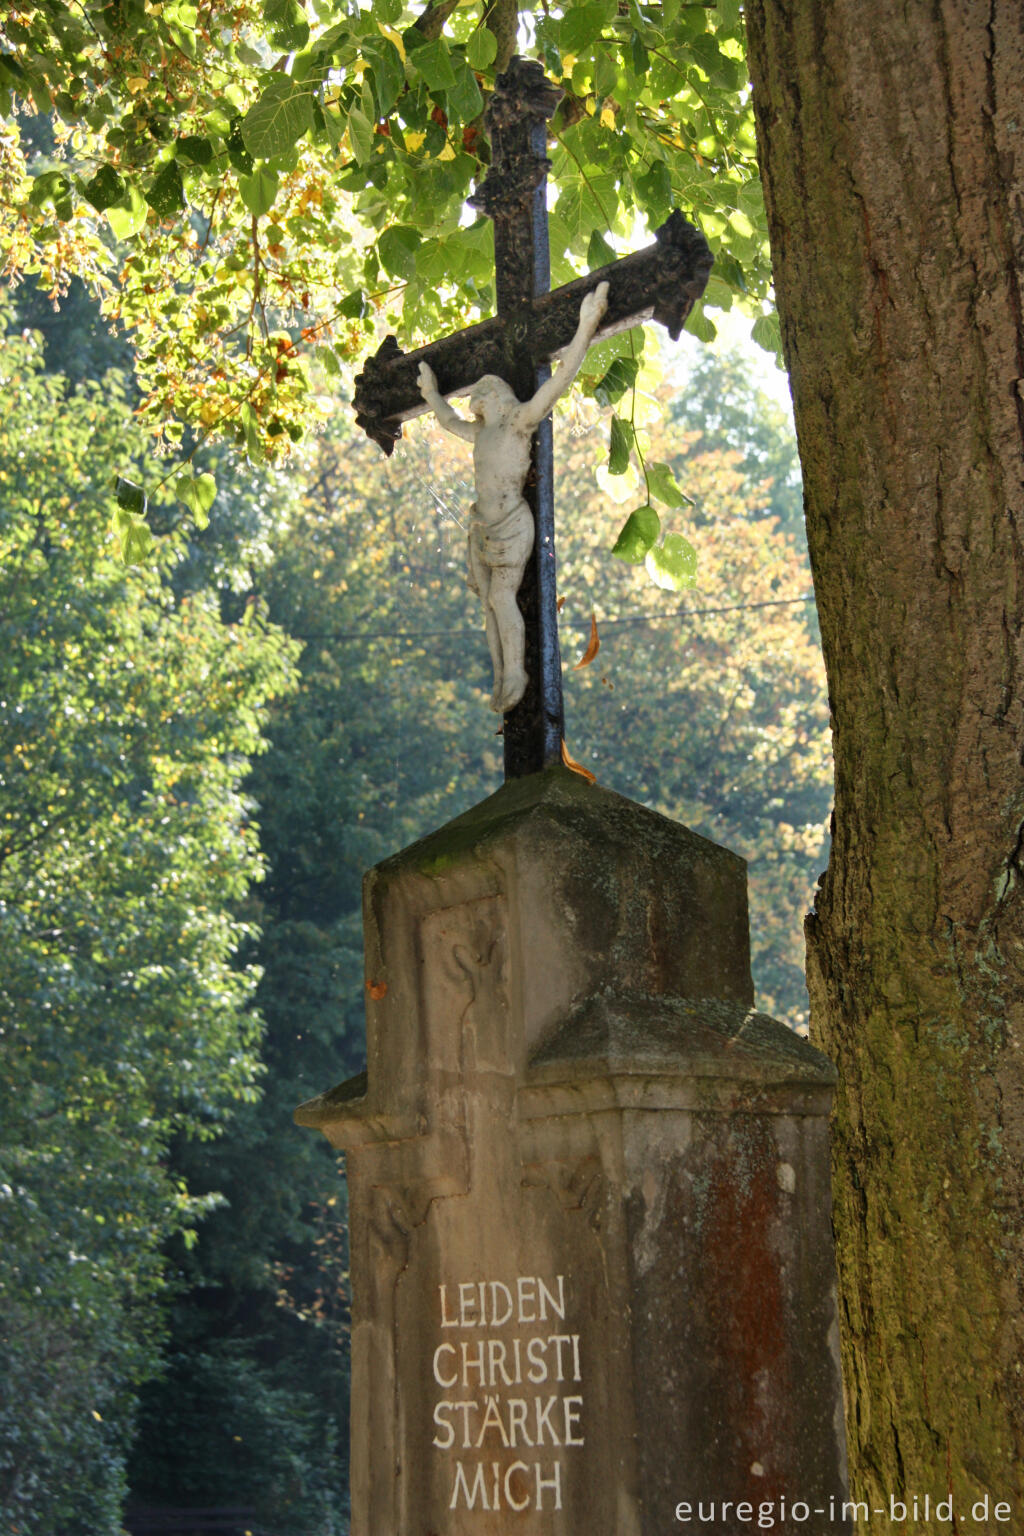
{"points": [[256, 189]]}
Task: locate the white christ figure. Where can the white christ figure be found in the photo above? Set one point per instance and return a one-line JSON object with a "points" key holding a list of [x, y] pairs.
{"points": [[501, 523]]}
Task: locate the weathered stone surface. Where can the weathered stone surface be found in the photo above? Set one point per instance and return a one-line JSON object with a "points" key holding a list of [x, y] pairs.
{"points": [[591, 1255]]}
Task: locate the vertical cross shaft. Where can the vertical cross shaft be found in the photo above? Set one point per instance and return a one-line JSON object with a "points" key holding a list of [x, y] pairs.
{"points": [[513, 195]]}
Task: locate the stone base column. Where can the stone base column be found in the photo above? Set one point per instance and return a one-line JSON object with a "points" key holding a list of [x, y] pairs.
{"points": [[592, 1274]]}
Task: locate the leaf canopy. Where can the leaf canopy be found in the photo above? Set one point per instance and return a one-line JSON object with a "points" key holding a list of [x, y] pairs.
{"points": [[229, 173]]}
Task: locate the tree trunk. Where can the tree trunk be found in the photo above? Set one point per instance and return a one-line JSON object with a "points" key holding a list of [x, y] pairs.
{"points": [[892, 151]]}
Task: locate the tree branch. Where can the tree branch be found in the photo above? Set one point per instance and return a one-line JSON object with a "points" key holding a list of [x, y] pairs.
{"points": [[431, 21], [502, 18]]}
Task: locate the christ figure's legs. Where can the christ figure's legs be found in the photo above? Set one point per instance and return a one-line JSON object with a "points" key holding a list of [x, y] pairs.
{"points": [[497, 558], [479, 581], [501, 596]]}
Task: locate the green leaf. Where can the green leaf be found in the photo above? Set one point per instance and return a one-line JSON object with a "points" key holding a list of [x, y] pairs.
{"points": [[53, 187], [128, 217], [621, 376], [134, 538], [639, 532], [673, 563], [397, 250], [730, 270], [582, 205], [259, 190], [599, 252], [482, 48], [661, 485], [388, 76], [325, 356], [198, 494], [388, 11], [353, 305], [360, 135], [654, 190], [717, 293], [105, 189], [278, 120], [433, 62], [433, 263], [329, 124], [606, 72], [638, 55], [286, 20], [752, 197], [464, 99], [130, 497], [699, 325], [195, 148], [253, 437], [237, 153], [580, 27], [621, 444], [166, 194], [766, 333]]}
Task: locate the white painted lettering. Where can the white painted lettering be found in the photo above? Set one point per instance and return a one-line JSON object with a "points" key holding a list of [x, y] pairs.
{"points": [[486, 1368], [446, 1321], [440, 1409], [473, 1365], [552, 1482], [517, 1420], [517, 1504], [538, 1371], [492, 1420], [544, 1418], [479, 1486], [467, 1304], [558, 1339], [464, 1408], [546, 1298], [572, 1419], [496, 1353], [506, 1294], [444, 1381]]}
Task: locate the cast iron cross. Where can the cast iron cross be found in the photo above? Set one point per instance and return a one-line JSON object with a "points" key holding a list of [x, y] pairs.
{"points": [[662, 282]]}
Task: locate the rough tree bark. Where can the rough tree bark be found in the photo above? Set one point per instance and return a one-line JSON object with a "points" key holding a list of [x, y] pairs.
{"points": [[892, 150]]}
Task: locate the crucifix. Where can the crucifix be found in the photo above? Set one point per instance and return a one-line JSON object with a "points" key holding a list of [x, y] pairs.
{"points": [[513, 351]]}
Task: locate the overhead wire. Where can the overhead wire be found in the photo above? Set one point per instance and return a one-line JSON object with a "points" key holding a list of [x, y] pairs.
{"points": [[623, 622]]}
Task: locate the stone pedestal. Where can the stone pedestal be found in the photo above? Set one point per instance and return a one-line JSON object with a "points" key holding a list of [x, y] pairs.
{"points": [[592, 1275]]}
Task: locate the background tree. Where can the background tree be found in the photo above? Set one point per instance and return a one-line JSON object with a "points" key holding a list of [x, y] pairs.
{"points": [[890, 142], [127, 719]]}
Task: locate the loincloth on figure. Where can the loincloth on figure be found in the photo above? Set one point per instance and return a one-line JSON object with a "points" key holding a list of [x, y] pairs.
{"points": [[506, 543]]}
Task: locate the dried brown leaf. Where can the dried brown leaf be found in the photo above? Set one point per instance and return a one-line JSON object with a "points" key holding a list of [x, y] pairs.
{"points": [[570, 762], [593, 646]]}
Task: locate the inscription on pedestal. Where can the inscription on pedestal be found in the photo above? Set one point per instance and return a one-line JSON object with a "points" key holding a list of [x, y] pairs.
{"points": [[509, 1379]]}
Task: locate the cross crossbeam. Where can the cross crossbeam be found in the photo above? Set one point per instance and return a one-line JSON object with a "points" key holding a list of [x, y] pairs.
{"points": [[661, 282]]}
